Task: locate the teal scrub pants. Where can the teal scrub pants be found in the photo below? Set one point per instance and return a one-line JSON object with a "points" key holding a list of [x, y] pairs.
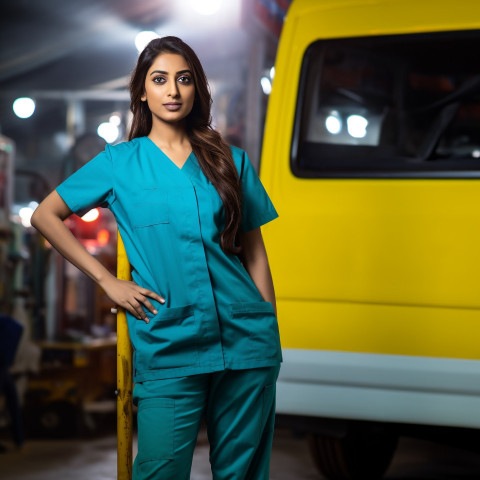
{"points": [[239, 407]]}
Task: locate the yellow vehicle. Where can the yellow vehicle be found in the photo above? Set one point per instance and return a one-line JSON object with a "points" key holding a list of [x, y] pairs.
{"points": [[371, 156]]}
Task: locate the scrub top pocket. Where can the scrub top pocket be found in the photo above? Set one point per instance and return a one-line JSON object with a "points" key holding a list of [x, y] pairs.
{"points": [[150, 207], [252, 331], [169, 340]]}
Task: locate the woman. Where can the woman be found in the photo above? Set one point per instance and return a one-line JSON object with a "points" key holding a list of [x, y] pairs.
{"points": [[201, 306]]}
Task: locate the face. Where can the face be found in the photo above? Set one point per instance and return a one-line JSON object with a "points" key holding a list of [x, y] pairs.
{"points": [[169, 89]]}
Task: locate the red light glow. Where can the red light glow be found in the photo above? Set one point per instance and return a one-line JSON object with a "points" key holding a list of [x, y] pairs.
{"points": [[102, 237]]}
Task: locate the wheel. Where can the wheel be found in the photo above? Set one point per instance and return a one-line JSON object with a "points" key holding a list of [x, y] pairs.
{"points": [[365, 451], [57, 419]]}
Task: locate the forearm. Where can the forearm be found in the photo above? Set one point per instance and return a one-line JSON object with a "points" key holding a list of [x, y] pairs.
{"points": [[262, 277], [255, 261], [48, 220], [50, 224]]}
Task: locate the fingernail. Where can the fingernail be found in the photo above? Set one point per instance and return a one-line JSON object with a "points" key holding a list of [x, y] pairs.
{"points": [[147, 320], [163, 300], [155, 312]]}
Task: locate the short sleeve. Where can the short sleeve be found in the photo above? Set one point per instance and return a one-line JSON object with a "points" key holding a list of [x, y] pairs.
{"points": [[90, 186], [257, 208]]}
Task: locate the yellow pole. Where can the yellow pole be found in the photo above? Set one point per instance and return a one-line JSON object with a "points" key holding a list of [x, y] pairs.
{"points": [[124, 378]]}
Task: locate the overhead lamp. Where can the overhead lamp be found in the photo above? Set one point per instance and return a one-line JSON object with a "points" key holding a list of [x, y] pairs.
{"points": [[25, 214], [266, 84], [24, 107], [144, 38], [108, 131], [206, 7], [115, 119]]}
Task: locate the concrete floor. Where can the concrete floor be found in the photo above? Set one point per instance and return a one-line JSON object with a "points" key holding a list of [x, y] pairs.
{"points": [[95, 458]]}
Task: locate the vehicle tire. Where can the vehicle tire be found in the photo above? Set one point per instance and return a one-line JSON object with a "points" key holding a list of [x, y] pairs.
{"points": [[57, 420], [365, 451]]}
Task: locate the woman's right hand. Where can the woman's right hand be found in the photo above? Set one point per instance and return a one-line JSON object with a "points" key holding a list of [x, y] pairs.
{"points": [[130, 296]]}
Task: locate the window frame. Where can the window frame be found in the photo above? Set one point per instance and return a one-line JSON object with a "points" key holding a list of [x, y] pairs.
{"points": [[408, 168]]}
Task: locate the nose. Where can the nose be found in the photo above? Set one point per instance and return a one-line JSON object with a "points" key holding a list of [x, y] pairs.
{"points": [[173, 89]]}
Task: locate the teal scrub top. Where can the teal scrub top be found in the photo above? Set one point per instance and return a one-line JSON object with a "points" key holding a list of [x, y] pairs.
{"points": [[170, 220]]}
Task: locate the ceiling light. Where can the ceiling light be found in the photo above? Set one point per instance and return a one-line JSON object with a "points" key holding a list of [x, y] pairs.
{"points": [[144, 38], [115, 119], [108, 132], [24, 107], [206, 7], [266, 85], [25, 214]]}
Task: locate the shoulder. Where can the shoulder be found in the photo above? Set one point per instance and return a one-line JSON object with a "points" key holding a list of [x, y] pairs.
{"points": [[240, 158], [237, 153], [124, 149]]}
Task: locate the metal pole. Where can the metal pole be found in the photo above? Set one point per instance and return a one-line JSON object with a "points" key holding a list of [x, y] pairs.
{"points": [[124, 378]]}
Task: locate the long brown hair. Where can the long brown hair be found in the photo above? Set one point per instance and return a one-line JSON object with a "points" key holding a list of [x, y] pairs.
{"points": [[212, 152]]}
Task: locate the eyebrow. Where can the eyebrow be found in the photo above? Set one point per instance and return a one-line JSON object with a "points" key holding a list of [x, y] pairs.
{"points": [[166, 73]]}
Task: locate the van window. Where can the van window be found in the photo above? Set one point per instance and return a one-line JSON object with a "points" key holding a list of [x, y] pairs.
{"points": [[405, 105]]}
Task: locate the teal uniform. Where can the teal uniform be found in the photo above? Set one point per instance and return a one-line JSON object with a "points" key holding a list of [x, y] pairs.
{"points": [[170, 219]]}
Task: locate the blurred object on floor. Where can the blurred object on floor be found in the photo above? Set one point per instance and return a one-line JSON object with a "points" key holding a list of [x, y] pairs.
{"points": [[75, 380], [10, 334], [96, 458]]}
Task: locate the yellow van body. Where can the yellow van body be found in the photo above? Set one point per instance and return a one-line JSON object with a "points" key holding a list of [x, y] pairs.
{"points": [[377, 276]]}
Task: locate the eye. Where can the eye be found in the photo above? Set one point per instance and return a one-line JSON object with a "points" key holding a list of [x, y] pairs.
{"points": [[185, 79], [159, 80]]}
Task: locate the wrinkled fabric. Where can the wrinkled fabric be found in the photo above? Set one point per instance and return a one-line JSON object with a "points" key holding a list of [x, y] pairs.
{"points": [[170, 220], [239, 408]]}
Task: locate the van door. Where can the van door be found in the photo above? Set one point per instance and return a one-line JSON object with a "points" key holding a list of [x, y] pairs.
{"points": [[375, 255]]}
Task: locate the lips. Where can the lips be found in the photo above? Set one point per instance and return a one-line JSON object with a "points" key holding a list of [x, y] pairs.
{"points": [[172, 106]]}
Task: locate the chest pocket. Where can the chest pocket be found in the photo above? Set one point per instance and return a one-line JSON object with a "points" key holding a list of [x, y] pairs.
{"points": [[150, 208]]}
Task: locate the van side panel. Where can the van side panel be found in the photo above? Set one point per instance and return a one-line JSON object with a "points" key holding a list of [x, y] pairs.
{"points": [[386, 266], [381, 388], [385, 329]]}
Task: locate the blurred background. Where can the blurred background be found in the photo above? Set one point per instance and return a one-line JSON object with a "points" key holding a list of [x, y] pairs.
{"points": [[64, 72]]}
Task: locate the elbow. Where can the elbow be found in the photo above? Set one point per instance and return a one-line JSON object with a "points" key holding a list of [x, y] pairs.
{"points": [[34, 219], [38, 218], [49, 210]]}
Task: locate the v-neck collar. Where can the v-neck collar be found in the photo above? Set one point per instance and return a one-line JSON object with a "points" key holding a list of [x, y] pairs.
{"points": [[180, 169]]}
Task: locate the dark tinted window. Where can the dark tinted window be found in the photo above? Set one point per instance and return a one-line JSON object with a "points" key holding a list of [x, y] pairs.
{"points": [[389, 106]]}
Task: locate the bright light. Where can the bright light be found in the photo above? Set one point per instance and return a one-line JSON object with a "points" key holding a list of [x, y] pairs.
{"points": [[108, 132], [206, 7], [333, 123], [103, 236], [144, 38], [266, 85], [24, 107], [272, 73], [115, 119], [91, 215], [205, 17], [25, 215], [357, 126]]}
